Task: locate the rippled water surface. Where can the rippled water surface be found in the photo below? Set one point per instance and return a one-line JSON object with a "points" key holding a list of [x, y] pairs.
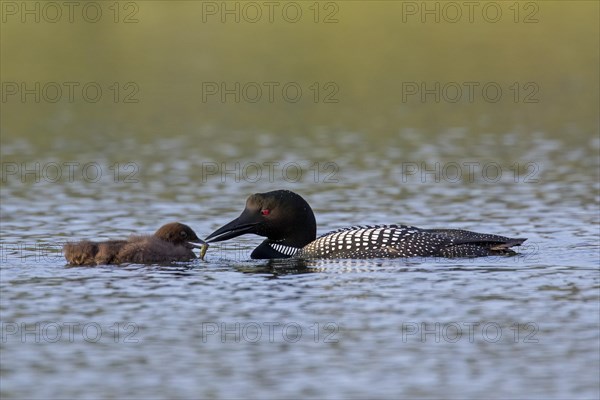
{"points": [[525, 164], [230, 327]]}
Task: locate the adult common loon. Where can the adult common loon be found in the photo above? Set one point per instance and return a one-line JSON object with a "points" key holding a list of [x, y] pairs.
{"points": [[288, 222], [171, 242]]}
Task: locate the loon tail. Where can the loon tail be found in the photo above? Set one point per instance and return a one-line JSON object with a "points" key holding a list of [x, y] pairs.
{"points": [[508, 244], [473, 244]]}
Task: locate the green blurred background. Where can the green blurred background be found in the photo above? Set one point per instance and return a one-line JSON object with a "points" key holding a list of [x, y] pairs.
{"points": [[363, 55]]}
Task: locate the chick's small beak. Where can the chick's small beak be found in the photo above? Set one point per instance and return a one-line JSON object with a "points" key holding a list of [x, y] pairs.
{"points": [[195, 241], [198, 243]]}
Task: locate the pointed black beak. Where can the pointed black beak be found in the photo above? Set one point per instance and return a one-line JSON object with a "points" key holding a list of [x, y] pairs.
{"points": [[245, 223]]}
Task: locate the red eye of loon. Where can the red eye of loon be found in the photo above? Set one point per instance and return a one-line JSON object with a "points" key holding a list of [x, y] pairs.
{"points": [[265, 211]]}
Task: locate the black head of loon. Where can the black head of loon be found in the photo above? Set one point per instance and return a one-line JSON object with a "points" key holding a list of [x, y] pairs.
{"points": [[282, 216], [289, 224]]}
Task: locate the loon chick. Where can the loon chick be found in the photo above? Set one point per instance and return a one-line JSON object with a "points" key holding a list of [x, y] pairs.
{"points": [[289, 225], [171, 242]]}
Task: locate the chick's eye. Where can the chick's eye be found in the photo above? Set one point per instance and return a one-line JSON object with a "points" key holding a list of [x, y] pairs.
{"points": [[265, 211], [183, 234]]}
